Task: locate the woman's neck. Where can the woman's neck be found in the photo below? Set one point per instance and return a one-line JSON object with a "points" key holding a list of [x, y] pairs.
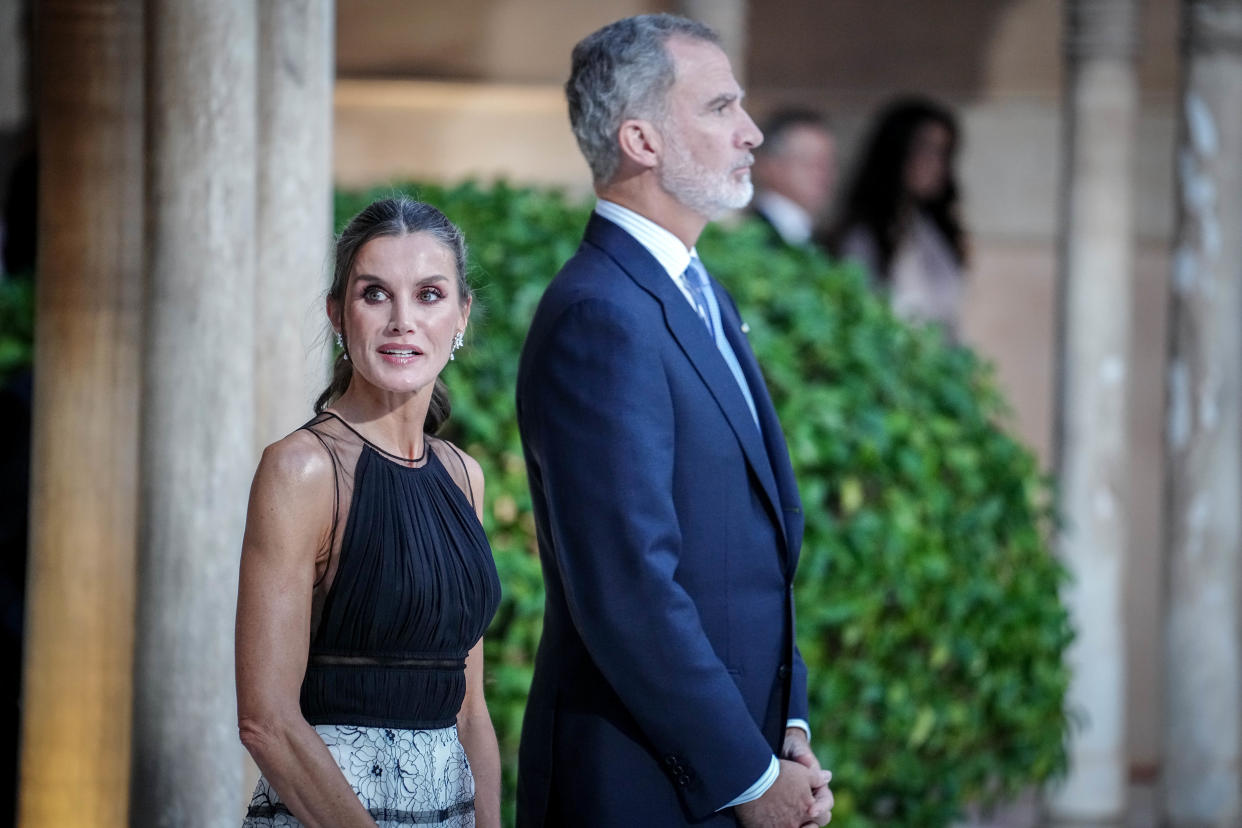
{"points": [[393, 421]]}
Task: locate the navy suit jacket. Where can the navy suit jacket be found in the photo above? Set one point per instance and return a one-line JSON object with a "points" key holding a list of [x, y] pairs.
{"points": [[669, 530]]}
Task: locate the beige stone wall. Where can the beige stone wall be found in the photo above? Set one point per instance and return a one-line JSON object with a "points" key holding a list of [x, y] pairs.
{"points": [[424, 93], [477, 92], [515, 41], [402, 129]]}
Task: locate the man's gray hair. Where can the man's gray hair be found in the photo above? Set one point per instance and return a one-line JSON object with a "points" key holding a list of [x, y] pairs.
{"points": [[619, 72]]}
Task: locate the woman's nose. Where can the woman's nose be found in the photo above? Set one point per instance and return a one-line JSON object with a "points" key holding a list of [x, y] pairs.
{"points": [[402, 318]]}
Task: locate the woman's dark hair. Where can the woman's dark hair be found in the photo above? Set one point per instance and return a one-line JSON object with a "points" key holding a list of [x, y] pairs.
{"points": [[876, 195], [397, 216]]}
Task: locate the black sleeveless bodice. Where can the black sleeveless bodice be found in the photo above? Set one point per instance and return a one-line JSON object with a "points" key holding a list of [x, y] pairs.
{"points": [[414, 588]]}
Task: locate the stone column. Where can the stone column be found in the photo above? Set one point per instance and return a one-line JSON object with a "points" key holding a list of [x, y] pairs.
{"points": [[198, 453], [728, 18], [1093, 366], [1203, 485], [84, 453], [295, 76]]}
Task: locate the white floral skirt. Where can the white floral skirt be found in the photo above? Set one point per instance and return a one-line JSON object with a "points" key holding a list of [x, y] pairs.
{"points": [[403, 777]]}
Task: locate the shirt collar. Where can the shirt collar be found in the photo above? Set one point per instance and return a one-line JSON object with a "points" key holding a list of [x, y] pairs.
{"points": [[790, 220], [667, 249]]}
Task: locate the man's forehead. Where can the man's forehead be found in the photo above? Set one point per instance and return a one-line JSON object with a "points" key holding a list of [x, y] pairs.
{"points": [[702, 67], [693, 50]]}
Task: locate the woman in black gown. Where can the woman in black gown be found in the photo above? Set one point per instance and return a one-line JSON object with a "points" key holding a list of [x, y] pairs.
{"points": [[366, 579]]}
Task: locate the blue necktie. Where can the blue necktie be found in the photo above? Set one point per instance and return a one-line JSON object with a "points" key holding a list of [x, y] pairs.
{"points": [[709, 311], [696, 279]]}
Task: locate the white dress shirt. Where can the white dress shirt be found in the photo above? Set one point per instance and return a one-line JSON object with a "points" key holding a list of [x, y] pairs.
{"points": [[792, 222]]}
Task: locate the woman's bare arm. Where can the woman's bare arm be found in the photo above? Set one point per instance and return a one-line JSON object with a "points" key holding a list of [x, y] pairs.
{"points": [[290, 515]]}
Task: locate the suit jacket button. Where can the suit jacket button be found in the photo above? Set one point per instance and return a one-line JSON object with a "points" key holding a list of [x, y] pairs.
{"points": [[683, 780], [783, 672]]}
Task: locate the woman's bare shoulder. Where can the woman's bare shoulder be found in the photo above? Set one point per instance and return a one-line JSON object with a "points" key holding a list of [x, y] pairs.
{"points": [[298, 461]]}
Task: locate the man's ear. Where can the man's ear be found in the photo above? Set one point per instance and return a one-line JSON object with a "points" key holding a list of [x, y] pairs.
{"points": [[640, 142]]}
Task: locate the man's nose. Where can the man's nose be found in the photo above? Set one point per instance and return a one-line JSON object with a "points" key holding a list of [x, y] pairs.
{"points": [[751, 136]]}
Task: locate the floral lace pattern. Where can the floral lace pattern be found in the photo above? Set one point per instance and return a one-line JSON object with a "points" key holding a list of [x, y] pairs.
{"points": [[403, 777]]}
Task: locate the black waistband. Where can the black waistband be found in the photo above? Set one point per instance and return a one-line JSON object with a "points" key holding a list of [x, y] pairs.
{"points": [[408, 691], [424, 662]]}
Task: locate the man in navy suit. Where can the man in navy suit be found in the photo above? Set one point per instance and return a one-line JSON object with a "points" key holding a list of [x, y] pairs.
{"points": [[668, 689]]}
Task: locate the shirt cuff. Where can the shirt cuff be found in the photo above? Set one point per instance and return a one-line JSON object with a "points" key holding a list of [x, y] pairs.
{"points": [[803, 724], [760, 787]]}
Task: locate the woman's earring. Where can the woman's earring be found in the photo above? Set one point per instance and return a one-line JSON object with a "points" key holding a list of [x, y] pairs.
{"points": [[458, 341], [340, 343]]}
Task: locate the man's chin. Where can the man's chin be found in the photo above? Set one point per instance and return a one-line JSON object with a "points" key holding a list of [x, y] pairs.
{"points": [[723, 208], [747, 194], [740, 199], [713, 205]]}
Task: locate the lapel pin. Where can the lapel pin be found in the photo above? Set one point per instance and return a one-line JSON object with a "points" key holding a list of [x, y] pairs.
{"points": [[745, 328]]}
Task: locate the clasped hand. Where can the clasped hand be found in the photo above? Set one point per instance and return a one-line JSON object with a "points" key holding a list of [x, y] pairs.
{"points": [[800, 796]]}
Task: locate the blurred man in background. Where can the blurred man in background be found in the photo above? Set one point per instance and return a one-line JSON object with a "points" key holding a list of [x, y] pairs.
{"points": [[795, 174]]}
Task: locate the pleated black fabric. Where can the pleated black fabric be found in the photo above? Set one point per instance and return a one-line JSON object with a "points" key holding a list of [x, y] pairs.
{"points": [[414, 589]]}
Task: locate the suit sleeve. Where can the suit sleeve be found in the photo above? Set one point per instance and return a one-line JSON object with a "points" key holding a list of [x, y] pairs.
{"points": [[599, 416]]}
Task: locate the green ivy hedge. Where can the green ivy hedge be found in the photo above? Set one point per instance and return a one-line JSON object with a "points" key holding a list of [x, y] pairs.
{"points": [[16, 323], [928, 608]]}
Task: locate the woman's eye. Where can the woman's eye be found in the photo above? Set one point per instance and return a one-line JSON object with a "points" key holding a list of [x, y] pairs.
{"points": [[430, 294], [374, 294]]}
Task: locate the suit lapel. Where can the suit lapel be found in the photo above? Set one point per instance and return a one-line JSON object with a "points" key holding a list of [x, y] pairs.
{"points": [[693, 338], [773, 435]]}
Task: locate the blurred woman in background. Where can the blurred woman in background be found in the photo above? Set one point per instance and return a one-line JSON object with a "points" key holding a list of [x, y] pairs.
{"points": [[899, 216]]}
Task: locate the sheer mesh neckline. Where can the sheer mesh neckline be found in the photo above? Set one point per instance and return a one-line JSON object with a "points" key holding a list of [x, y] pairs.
{"points": [[405, 462]]}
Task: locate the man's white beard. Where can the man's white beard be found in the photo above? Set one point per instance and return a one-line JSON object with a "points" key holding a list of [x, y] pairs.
{"points": [[709, 194]]}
